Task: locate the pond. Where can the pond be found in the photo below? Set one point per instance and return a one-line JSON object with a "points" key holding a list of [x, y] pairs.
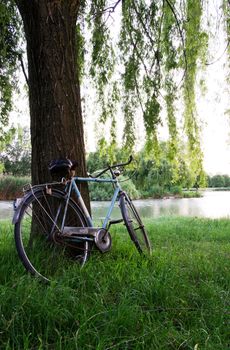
{"points": [[213, 204]]}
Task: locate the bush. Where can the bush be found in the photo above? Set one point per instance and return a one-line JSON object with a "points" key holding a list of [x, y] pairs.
{"points": [[11, 187], [16, 155], [130, 188], [104, 191], [192, 194], [176, 190], [154, 191]]}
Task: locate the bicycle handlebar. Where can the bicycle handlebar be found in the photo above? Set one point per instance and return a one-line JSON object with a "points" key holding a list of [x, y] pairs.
{"points": [[110, 167]]}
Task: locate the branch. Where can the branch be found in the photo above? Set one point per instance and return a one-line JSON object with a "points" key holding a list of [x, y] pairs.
{"points": [[109, 9], [23, 69], [181, 35], [219, 58], [136, 49], [143, 24]]}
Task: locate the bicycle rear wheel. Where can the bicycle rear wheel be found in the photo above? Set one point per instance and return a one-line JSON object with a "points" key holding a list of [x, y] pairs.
{"points": [[43, 250], [134, 225]]}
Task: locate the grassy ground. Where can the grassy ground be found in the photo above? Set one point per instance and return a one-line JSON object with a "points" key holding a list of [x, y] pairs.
{"points": [[177, 299]]}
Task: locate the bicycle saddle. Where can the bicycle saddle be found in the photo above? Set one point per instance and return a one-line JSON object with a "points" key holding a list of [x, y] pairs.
{"points": [[62, 167]]}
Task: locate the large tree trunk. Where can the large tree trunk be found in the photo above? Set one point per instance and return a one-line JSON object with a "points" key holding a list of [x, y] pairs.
{"points": [[54, 91]]}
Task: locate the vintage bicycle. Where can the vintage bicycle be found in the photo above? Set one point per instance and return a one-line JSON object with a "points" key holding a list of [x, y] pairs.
{"points": [[52, 222]]}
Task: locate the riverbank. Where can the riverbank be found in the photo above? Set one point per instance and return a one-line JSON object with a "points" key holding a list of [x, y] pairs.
{"points": [[11, 188], [178, 298]]}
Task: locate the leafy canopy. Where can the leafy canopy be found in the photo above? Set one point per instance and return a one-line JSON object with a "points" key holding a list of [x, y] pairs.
{"points": [[9, 58], [143, 58]]}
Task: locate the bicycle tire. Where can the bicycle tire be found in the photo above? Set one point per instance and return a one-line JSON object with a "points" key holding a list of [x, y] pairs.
{"points": [[134, 225], [40, 254]]}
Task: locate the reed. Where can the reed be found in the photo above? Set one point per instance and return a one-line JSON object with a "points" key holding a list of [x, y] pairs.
{"points": [[11, 186]]}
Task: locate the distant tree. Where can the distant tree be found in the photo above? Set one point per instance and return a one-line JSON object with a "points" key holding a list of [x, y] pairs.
{"points": [[217, 181], [226, 180], [9, 54], [16, 158]]}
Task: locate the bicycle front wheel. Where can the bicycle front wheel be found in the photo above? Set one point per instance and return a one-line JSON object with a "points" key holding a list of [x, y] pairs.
{"points": [[42, 248], [134, 225]]}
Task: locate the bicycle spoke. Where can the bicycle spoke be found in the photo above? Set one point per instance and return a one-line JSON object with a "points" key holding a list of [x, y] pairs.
{"points": [[40, 244], [134, 225]]}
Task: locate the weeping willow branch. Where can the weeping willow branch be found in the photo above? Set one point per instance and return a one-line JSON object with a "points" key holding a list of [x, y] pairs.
{"points": [[139, 17], [170, 87], [195, 40], [110, 9], [226, 8], [181, 36], [23, 69]]}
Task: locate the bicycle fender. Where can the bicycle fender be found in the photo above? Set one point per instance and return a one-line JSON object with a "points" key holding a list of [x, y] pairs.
{"points": [[18, 204], [17, 210]]}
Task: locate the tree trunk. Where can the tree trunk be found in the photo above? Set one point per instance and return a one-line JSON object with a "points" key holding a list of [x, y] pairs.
{"points": [[54, 91]]}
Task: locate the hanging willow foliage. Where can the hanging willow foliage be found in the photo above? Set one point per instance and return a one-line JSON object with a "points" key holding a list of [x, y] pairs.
{"points": [[171, 64], [159, 40], [195, 48], [9, 54], [160, 48], [226, 8]]}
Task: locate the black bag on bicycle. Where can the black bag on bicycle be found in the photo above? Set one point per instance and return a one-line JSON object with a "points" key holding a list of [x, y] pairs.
{"points": [[60, 168]]}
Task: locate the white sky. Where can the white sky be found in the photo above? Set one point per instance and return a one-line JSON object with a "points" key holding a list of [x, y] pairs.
{"points": [[212, 107], [212, 110]]}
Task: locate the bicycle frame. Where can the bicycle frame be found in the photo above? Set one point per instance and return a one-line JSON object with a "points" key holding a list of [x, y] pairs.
{"points": [[73, 187]]}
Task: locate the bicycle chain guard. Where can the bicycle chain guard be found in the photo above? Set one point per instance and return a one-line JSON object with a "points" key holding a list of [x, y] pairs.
{"points": [[101, 236], [103, 240]]}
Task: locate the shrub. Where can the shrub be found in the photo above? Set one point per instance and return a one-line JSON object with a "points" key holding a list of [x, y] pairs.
{"points": [[154, 191], [104, 191], [11, 187], [176, 190]]}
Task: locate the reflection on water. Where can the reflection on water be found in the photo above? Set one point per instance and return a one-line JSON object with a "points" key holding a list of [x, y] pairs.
{"points": [[211, 205], [6, 210]]}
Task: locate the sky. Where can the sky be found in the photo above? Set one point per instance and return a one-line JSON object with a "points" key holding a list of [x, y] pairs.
{"points": [[213, 106], [212, 110]]}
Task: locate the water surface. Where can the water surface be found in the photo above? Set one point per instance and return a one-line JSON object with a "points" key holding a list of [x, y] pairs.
{"points": [[213, 204]]}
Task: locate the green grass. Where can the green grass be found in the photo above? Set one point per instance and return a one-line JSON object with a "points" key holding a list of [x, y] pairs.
{"points": [[177, 299], [191, 194]]}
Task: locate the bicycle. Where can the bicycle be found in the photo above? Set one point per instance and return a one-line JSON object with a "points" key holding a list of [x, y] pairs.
{"points": [[51, 225]]}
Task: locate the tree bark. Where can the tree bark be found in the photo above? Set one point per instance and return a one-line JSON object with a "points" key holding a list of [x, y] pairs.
{"points": [[54, 90]]}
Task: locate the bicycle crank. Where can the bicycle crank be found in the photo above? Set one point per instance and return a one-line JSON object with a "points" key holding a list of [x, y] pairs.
{"points": [[101, 236], [103, 240]]}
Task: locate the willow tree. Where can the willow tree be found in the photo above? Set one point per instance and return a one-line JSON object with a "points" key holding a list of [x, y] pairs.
{"points": [[161, 45], [54, 91]]}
